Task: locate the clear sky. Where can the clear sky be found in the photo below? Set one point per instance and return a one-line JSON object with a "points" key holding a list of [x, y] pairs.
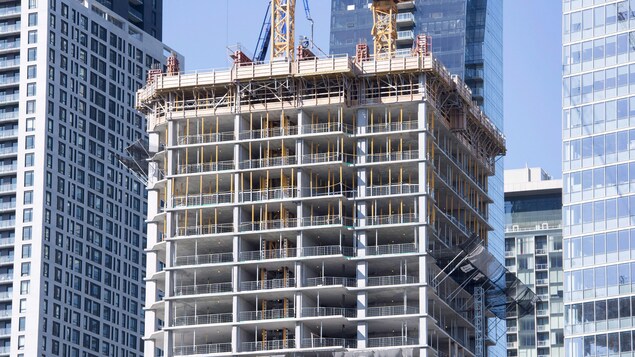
{"points": [[201, 30]]}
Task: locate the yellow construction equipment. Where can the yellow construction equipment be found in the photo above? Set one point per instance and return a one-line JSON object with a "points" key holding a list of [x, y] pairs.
{"points": [[385, 27], [283, 29]]}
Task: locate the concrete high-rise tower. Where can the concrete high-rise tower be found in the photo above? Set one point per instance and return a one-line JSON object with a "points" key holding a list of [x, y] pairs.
{"points": [[533, 252], [72, 232], [333, 205], [599, 176]]}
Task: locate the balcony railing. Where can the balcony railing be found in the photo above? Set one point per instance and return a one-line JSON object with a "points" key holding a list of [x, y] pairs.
{"points": [[204, 259], [203, 319], [330, 281], [391, 310], [202, 200], [323, 157], [7, 224], [267, 314], [9, 45], [7, 206], [388, 127], [391, 249], [268, 345], [12, 10], [319, 342], [205, 138], [387, 190], [392, 219], [10, 28], [268, 194], [206, 167], [202, 349], [314, 221], [8, 133], [7, 241], [267, 133], [390, 156], [268, 225], [6, 277], [8, 168], [391, 280], [320, 128], [268, 162], [376, 342], [198, 289], [267, 284], [328, 311], [326, 250], [267, 254], [205, 229]]}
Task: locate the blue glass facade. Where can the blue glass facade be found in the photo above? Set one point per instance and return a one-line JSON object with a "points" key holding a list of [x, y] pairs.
{"points": [[467, 38], [599, 176]]}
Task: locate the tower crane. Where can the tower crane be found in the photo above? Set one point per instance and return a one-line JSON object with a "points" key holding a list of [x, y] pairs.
{"points": [[278, 30], [385, 27]]}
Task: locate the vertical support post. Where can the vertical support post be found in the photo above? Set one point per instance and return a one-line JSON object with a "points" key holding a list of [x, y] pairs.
{"points": [[479, 322]]}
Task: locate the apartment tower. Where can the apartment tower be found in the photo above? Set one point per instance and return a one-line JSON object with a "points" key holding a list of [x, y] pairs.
{"points": [[533, 252], [599, 176], [72, 232]]}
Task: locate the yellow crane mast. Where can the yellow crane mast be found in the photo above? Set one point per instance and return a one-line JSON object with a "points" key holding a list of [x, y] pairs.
{"points": [[283, 29], [385, 27]]}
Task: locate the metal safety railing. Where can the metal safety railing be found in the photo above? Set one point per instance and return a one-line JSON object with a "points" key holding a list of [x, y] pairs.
{"points": [[389, 156], [267, 284], [318, 342], [328, 311], [207, 319], [205, 167], [396, 189], [329, 281], [202, 199], [266, 314], [375, 342], [391, 249], [202, 349], [392, 219], [204, 259], [268, 225], [268, 345], [204, 229], [267, 194], [197, 289], [391, 310], [267, 254], [205, 138], [268, 162], [391, 280]]}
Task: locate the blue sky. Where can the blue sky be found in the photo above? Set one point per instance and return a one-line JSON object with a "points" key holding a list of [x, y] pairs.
{"points": [[201, 30]]}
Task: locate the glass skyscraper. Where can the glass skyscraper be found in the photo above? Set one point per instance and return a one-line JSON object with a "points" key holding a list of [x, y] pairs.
{"points": [[467, 36], [599, 176]]}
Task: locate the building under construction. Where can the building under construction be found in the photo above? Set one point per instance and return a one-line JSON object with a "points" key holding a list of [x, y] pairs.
{"points": [[320, 206]]}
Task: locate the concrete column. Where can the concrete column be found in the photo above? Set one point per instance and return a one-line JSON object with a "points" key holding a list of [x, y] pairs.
{"points": [[362, 334], [236, 268], [235, 338]]}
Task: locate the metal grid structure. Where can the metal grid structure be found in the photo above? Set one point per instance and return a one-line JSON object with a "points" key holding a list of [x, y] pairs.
{"points": [[294, 207]]}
